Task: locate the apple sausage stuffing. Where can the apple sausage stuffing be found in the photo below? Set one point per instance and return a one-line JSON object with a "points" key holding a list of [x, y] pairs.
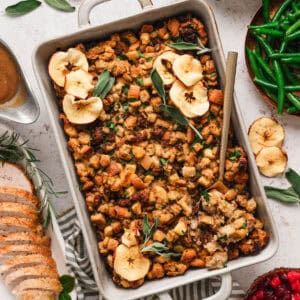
{"points": [[142, 112]]}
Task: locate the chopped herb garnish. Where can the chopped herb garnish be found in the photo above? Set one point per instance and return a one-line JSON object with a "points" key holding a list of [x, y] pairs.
{"points": [[163, 161], [245, 225], [132, 100], [222, 237], [205, 194], [125, 89], [123, 57], [140, 81], [149, 58], [112, 126], [198, 173], [234, 155], [141, 54]]}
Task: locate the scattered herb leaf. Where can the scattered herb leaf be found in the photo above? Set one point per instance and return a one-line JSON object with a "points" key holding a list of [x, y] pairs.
{"points": [[294, 179], [104, 84], [205, 195], [62, 5], [150, 58], [222, 237], [245, 225], [68, 284], [174, 113], [64, 296], [141, 54], [125, 89], [288, 195], [22, 7]]}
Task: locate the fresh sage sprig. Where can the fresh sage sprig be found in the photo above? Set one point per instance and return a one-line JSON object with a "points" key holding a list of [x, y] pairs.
{"points": [[160, 249], [11, 150], [289, 195], [68, 284], [104, 84], [170, 111], [186, 46], [149, 230], [22, 7]]}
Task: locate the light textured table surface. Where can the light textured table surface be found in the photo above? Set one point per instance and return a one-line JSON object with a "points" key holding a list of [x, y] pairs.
{"points": [[24, 33]]}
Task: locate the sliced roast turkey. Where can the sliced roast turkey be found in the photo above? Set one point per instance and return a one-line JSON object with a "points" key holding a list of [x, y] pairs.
{"points": [[24, 238], [15, 209], [21, 274], [11, 175], [20, 261], [17, 224], [36, 295], [11, 194], [42, 284]]}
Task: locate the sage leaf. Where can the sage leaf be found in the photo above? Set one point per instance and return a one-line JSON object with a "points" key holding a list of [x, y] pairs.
{"points": [[294, 179], [174, 113], [22, 7], [62, 5], [67, 282], [283, 195], [155, 247], [149, 230], [107, 88], [160, 249], [182, 46], [104, 84], [158, 84]]}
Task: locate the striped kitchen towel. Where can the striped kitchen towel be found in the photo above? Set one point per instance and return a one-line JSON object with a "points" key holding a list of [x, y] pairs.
{"points": [[79, 266]]}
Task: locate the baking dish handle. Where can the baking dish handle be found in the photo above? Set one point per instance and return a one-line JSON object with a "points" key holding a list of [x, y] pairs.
{"points": [[87, 5], [222, 294]]}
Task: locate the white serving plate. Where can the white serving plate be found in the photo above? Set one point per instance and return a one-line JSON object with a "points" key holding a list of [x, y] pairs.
{"points": [[53, 231]]}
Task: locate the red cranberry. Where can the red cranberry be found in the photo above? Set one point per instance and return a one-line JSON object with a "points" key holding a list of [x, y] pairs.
{"points": [[295, 285], [275, 282], [280, 291], [293, 275], [296, 296], [259, 295], [287, 296]]}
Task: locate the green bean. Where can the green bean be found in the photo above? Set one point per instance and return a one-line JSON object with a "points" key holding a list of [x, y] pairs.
{"points": [[293, 28], [266, 10], [269, 32], [280, 84], [281, 10], [264, 44], [284, 55], [252, 62], [257, 48], [265, 83], [268, 25], [291, 60], [292, 110], [294, 100], [265, 66], [289, 75], [293, 36]]}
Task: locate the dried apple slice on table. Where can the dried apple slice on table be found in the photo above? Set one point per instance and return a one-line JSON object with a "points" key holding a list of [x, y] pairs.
{"points": [[271, 161], [130, 264], [163, 65], [265, 132], [187, 69], [61, 63], [82, 111], [191, 101]]}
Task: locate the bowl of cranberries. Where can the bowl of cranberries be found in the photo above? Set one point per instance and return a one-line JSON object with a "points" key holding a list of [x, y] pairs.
{"points": [[279, 284]]}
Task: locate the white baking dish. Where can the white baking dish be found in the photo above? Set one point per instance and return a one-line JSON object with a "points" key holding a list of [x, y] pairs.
{"points": [[149, 13]]}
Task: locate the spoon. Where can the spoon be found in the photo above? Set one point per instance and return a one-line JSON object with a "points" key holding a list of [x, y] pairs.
{"points": [[227, 107], [23, 107]]}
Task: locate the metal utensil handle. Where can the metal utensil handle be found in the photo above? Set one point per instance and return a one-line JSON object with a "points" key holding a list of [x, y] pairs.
{"points": [[228, 99], [222, 294], [87, 5]]}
